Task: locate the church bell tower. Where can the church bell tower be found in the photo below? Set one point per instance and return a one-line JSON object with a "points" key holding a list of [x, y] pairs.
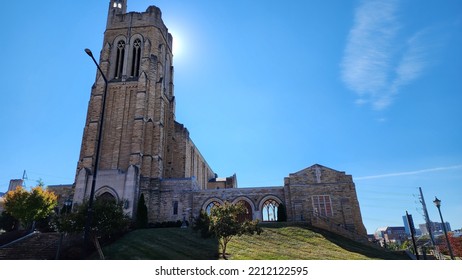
{"points": [[136, 58]]}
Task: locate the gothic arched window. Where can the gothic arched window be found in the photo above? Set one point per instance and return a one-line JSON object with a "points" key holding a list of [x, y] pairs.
{"points": [[270, 210], [117, 4], [247, 215], [208, 208], [119, 65], [136, 58]]}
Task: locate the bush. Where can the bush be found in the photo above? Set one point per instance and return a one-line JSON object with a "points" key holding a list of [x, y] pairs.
{"points": [[108, 219], [7, 222], [202, 224]]}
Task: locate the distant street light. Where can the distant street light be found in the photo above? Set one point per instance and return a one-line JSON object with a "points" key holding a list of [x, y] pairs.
{"points": [[438, 205], [98, 148], [67, 205]]}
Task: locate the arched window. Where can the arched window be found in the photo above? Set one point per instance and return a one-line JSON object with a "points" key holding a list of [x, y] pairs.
{"points": [[117, 4], [247, 216], [119, 65], [270, 210], [136, 56], [208, 208]]}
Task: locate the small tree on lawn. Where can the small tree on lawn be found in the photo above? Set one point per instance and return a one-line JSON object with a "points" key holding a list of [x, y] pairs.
{"points": [[31, 206], [224, 224]]}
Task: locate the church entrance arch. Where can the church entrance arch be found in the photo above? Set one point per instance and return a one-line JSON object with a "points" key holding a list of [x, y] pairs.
{"points": [[107, 197], [107, 194]]}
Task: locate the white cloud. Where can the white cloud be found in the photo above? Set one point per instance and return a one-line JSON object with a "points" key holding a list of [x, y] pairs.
{"points": [[413, 61], [376, 64], [406, 173]]}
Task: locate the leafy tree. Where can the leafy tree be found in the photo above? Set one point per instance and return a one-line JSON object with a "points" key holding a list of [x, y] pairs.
{"points": [[455, 242], [282, 214], [31, 206], [224, 224], [142, 213], [108, 219]]}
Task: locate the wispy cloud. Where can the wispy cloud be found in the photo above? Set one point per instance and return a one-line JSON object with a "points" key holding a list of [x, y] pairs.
{"points": [[377, 63], [406, 173]]}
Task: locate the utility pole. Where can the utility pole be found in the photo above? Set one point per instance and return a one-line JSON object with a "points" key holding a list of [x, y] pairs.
{"points": [[427, 218]]}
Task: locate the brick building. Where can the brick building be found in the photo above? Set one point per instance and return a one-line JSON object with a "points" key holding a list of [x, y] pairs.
{"points": [[145, 150]]}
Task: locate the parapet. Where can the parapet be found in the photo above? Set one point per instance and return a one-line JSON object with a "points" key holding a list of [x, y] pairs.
{"points": [[152, 17]]}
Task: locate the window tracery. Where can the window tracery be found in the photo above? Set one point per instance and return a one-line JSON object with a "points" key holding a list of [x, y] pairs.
{"points": [[119, 59], [322, 205], [136, 58], [208, 208], [270, 210]]}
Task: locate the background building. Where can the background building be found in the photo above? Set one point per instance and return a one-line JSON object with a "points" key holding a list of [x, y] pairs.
{"points": [[436, 227], [408, 225], [389, 235]]}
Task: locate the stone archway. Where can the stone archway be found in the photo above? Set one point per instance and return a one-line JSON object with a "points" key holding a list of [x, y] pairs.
{"points": [[248, 215], [106, 196], [269, 208], [248, 205], [210, 203], [107, 193]]}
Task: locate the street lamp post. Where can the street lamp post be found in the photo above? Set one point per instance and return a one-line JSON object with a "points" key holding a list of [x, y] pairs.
{"points": [[438, 205], [67, 205], [98, 148]]}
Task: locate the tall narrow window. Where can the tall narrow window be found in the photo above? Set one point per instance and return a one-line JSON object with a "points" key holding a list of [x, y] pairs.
{"points": [[119, 59], [135, 71], [175, 208]]}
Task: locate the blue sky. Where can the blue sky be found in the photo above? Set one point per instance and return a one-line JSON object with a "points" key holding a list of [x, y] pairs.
{"points": [[266, 88]]}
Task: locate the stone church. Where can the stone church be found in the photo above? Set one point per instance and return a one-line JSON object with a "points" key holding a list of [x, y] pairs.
{"points": [[144, 150]]}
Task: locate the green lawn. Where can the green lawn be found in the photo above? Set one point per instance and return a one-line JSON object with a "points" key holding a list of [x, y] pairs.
{"points": [[278, 241]]}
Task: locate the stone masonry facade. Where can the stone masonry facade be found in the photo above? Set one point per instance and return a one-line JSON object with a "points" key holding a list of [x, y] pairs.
{"points": [[144, 150]]}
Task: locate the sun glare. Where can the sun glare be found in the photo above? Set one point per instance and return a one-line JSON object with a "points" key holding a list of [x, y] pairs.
{"points": [[177, 44]]}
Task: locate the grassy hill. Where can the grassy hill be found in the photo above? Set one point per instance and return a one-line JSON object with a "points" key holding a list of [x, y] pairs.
{"points": [[278, 241]]}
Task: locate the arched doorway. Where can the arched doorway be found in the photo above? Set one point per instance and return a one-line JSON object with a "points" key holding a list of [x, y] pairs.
{"points": [[107, 196]]}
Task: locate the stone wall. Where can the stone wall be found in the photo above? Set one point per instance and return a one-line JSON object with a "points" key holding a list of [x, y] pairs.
{"points": [[63, 192], [306, 186], [185, 160], [173, 199]]}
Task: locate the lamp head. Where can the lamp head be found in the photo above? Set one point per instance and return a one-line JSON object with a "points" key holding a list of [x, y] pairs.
{"points": [[437, 202], [88, 51]]}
